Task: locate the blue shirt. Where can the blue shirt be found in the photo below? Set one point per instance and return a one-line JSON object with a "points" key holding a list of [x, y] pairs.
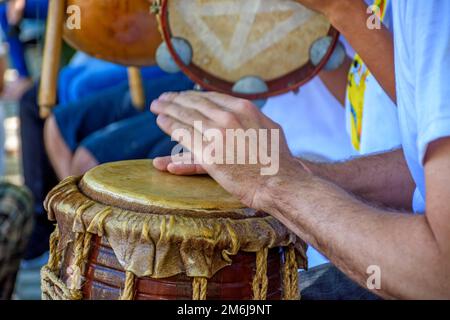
{"points": [[422, 64]]}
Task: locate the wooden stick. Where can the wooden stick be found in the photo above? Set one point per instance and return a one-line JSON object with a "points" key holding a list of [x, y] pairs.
{"points": [[136, 87], [51, 56]]}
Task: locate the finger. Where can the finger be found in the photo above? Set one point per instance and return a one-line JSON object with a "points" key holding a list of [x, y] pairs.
{"points": [[180, 164], [234, 104], [161, 163], [175, 129], [182, 114], [182, 133], [224, 101], [185, 169], [193, 100]]}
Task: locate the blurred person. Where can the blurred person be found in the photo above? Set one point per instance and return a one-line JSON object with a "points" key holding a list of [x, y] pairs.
{"points": [[86, 75], [12, 13], [15, 228], [3, 67], [106, 127]]}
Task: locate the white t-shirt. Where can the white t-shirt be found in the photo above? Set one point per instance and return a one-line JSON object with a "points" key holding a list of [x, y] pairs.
{"points": [[422, 60], [368, 106], [314, 124], [313, 121]]}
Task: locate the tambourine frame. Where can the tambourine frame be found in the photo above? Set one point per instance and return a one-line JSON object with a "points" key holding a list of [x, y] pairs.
{"points": [[289, 82]]}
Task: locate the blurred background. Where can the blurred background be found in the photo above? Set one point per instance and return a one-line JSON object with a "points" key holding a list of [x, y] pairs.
{"points": [[31, 35]]}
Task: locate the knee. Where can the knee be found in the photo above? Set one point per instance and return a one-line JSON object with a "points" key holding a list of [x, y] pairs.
{"points": [[83, 161]]}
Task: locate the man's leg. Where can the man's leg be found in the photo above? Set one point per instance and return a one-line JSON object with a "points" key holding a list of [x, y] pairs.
{"points": [[38, 173], [58, 151], [326, 282], [129, 139], [73, 122]]}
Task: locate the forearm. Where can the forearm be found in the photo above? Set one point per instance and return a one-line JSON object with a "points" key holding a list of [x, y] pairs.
{"points": [[354, 236], [383, 178], [336, 80], [375, 46]]}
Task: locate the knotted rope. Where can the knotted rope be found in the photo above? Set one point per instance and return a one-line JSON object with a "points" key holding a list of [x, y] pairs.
{"points": [[128, 291], [291, 291], [79, 250], [199, 288], [260, 280], [54, 256]]}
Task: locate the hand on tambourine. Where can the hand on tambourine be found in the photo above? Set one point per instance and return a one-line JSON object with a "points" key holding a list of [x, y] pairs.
{"points": [[230, 139], [15, 11]]}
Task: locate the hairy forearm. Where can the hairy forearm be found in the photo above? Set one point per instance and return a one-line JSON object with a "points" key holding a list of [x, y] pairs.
{"points": [[383, 178], [350, 18], [354, 236]]}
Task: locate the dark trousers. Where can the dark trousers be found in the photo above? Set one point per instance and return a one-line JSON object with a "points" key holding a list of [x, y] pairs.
{"points": [[326, 282], [38, 173]]}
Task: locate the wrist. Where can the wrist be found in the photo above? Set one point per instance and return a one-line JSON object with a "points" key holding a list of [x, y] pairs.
{"points": [[282, 188]]}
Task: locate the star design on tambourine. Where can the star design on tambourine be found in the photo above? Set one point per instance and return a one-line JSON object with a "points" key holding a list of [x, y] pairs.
{"points": [[240, 50]]}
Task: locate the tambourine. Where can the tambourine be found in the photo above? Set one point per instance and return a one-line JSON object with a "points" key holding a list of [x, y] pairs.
{"points": [[252, 49]]}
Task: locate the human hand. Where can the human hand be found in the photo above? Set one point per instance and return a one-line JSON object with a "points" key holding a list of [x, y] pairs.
{"points": [[245, 168]]}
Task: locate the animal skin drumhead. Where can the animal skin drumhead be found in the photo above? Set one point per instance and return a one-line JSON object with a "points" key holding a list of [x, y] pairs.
{"points": [[232, 39], [138, 183]]}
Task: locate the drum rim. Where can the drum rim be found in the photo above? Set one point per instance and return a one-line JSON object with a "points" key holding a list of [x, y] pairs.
{"points": [[97, 190], [287, 83]]}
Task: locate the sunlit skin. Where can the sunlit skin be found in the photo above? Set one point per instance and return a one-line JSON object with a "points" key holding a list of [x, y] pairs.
{"points": [[65, 162], [341, 209], [323, 204]]}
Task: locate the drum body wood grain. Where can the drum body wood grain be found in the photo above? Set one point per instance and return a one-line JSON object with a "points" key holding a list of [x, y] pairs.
{"points": [[105, 278]]}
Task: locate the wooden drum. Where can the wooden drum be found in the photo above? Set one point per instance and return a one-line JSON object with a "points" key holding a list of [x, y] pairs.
{"points": [[120, 31], [127, 231]]}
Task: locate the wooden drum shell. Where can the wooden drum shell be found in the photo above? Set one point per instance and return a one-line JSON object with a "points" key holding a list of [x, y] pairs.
{"points": [[119, 31], [105, 278]]}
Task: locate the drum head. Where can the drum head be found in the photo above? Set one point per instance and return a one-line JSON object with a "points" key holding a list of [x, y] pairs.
{"points": [[233, 39], [120, 31], [138, 185]]}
